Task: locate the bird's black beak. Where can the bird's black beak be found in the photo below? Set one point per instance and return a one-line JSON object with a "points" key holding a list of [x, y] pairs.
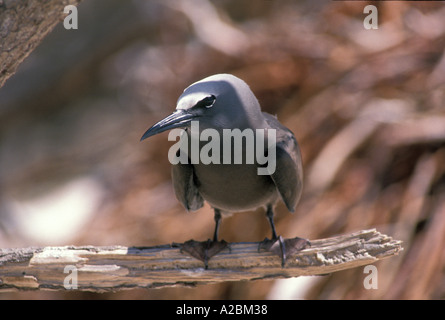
{"points": [[178, 119]]}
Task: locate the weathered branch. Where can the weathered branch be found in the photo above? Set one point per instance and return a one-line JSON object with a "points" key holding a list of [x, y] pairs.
{"points": [[113, 268], [23, 25]]}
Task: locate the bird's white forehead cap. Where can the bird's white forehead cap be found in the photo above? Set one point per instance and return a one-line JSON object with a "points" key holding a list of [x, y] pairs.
{"points": [[218, 85], [190, 99]]}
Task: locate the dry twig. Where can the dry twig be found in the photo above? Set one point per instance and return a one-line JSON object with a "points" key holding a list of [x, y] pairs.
{"points": [[113, 268], [23, 25]]}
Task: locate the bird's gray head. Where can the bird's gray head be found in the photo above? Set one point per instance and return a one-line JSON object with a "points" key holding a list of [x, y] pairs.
{"points": [[219, 101]]}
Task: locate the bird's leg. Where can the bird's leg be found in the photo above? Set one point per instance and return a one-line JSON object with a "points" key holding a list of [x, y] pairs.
{"points": [[277, 244], [217, 218], [204, 250], [269, 215]]}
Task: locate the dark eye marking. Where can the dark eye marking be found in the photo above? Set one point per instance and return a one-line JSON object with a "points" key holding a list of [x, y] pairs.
{"points": [[206, 102]]}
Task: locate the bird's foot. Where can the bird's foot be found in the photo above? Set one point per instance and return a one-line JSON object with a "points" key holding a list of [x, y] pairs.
{"points": [[203, 250], [284, 247]]}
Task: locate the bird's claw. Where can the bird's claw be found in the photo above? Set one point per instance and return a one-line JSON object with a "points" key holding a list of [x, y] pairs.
{"points": [[284, 247], [203, 250]]}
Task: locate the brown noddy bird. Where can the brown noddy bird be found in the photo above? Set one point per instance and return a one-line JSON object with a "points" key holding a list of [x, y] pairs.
{"points": [[224, 103]]}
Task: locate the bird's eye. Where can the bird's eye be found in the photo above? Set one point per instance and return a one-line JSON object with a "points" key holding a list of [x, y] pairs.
{"points": [[206, 102]]}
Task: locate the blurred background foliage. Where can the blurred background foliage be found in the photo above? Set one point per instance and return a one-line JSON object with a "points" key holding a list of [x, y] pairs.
{"points": [[367, 107]]}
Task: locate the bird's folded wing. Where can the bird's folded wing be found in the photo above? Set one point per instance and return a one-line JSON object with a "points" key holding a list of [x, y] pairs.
{"points": [[288, 175], [185, 188]]}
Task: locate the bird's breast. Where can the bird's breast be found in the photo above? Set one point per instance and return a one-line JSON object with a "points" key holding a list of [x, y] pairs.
{"points": [[234, 187]]}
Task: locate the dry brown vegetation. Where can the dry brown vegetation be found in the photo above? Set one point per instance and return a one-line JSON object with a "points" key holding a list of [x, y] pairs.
{"points": [[367, 107]]}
